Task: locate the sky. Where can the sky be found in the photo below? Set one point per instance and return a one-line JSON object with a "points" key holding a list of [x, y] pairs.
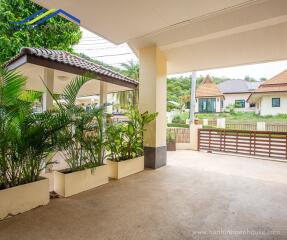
{"points": [[105, 51]]}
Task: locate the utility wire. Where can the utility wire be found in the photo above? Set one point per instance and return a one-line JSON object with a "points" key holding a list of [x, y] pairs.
{"points": [[111, 55]]}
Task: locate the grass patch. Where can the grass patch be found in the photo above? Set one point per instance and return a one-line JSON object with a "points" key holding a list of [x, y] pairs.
{"points": [[177, 125], [242, 116]]}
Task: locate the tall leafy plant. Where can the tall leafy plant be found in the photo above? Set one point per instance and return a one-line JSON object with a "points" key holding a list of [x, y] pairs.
{"points": [[26, 138], [125, 139], [82, 142]]}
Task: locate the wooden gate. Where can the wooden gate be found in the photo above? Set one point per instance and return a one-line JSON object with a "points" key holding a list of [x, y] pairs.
{"points": [[254, 143]]}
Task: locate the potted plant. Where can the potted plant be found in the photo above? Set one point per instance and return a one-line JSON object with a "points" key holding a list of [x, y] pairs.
{"points": [[171, 141], [82, 145], [26, 141], [125, 144]]}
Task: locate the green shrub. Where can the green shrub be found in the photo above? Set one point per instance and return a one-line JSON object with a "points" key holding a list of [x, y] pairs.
{"points": [[177, 125], [27, 139], [125, 139]]}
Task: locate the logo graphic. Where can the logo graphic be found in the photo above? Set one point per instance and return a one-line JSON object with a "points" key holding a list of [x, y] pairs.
{"points": [[43, 16]]}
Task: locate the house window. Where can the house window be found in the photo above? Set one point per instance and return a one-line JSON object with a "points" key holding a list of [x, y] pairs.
{"points": [[252, 105], [207, 105], [275, 102], [240, 103]]}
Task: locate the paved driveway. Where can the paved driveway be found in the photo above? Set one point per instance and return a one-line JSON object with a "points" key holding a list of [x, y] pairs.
{"points": [[196, 196]]}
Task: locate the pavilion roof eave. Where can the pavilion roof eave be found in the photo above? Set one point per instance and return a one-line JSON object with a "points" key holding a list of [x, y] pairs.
{"points": [[78, 66]]}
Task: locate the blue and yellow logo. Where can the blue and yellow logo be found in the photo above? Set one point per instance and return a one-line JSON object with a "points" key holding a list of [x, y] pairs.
{"points": [[43, 16]]}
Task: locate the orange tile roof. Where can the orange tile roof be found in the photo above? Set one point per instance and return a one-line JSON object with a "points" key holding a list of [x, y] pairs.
{"points": [[272, 88], [273, 85], [276, 84], [208, 88], [278, 79]]}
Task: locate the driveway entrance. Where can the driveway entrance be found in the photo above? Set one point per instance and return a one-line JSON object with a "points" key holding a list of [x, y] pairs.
{"points": [[196, 196]]}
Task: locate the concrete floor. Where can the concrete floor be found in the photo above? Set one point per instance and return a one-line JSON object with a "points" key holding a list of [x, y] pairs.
{"points": [[196, 196]]}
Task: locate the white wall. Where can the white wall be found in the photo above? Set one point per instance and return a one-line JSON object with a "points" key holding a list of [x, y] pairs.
{"points": [[266, 105], [230, 99], [218, 104]]}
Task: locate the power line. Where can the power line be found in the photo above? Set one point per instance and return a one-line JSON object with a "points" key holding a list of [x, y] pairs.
{"points": [[91, 40], [111, 55], [94, 49], [96, 43]]}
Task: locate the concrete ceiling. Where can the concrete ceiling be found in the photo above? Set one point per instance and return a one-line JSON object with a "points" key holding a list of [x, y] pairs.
{"points": [[193, 34], [121, 21]]}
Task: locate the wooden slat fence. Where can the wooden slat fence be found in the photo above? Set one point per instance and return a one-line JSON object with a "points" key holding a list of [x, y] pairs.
{"points": [[182, 134], [276, 126], [253, 143], [241, 125], [273, 126]]}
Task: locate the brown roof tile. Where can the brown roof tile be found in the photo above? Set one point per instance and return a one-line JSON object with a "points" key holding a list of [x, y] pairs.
{"points": [[278, 79], [208, 88], [276, 84], [72, 60]]}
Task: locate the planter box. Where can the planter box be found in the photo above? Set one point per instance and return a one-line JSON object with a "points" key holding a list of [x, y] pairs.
{"points": [[68, 184], [125, 168], [171, 146], [25, 197]]}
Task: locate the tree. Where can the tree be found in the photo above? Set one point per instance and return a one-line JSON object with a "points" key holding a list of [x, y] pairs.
{"points": [[57, 33], [126, 98], [131, 69]]}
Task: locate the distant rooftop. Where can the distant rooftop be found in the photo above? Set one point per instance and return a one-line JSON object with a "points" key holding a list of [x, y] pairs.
{"points": [[208, 88], [276, 84], [237, 86]]}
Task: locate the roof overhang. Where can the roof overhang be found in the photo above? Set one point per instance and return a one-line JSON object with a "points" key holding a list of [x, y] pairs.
{"points": [[193, 35], [254, 97], [32, 66]]}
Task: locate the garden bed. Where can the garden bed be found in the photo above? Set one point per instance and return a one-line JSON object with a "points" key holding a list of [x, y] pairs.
{"points": [[22, 198], [125, 168], [67, 184]]}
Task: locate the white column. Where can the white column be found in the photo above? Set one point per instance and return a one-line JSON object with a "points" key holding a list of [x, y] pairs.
{"points": [[47, 99], [192, 98], [152, 98], [103, 93]]}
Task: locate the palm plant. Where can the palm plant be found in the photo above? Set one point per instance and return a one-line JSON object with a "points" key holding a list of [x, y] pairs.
{"points": [[125, 140], [82, 142], [26, 138], [127, 98], [131, 69], [124, 99]]}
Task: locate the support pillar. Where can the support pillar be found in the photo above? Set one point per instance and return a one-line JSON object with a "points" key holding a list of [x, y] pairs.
{"points": [[103, 93], [47, 99], [152, 98], [192, 99]]}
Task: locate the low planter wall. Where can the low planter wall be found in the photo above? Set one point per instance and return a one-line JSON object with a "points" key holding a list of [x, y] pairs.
{"points": [[125, 168], [22, 198], [68, 184], [171, 146]]}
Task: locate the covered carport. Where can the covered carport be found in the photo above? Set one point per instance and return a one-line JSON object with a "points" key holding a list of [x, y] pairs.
{"points": [[183, 36], [191, 198]]}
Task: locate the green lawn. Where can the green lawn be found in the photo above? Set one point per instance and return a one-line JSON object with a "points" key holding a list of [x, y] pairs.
{"points": [[242, 116]]}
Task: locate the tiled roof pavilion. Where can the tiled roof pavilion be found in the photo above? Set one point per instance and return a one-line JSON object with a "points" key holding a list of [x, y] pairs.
{"points": [[32, 61]]}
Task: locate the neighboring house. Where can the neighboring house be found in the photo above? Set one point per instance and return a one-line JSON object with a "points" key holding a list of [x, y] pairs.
{"points": [[209, 98], [236, 92], [271, 96]]}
